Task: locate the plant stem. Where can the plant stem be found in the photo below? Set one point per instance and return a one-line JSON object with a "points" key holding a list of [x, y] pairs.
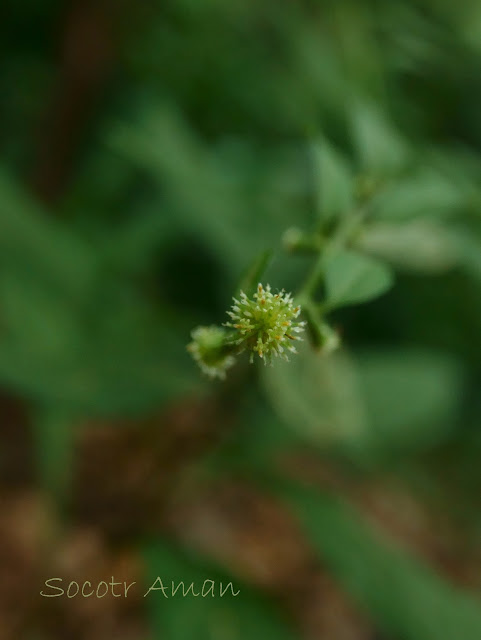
{"points": [[340, 238]]}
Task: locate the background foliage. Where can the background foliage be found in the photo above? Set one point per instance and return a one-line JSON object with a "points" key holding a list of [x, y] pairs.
{"points": [[151, 154]]}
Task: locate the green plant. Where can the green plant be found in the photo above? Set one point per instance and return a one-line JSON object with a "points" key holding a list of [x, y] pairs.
{"points": [[329, 149]]}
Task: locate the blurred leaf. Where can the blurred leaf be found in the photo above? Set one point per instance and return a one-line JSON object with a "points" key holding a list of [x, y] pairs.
{"points": [[427, 193], [420, 245], [132, 245], [102, 373], [209, 205], [36, 316], [411, 397], [244, 616], [379, 404], [352, 278], [405, 597], [226, 197], [380, 148], [359, 51], [469, 247], [334, 180], [316, 395], [31, 243]]}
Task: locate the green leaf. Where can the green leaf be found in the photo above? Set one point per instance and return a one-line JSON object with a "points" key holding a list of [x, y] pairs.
{"points": [[98, 385], [404, 596], [469, 247], [98, 370], [31, 243], [352, 278], [316, 395], [37, 317], [218, 194], [420, 245], [411, 397], [230, 617], [428, 193], [333, 179], [380, 148], [377, 405]]}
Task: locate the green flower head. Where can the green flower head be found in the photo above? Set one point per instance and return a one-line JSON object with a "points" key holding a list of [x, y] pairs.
{"points": [[265, 324], [209, 350]]}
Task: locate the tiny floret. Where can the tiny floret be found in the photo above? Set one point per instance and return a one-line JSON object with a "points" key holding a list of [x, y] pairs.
{"points": [[209, 350], [265, 324]]}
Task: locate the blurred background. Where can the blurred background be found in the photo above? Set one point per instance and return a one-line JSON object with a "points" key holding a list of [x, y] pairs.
{"points": [[150, 153]]}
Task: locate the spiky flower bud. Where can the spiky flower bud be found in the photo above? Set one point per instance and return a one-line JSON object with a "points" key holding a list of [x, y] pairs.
{"points": [[265, 324], [210, 350]]}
